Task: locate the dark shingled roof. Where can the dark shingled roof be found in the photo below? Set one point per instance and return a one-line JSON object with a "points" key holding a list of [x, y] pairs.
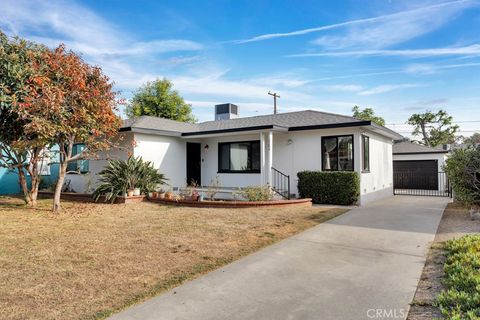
{"points": [[156, 123], [292, 121], [407, 147]]}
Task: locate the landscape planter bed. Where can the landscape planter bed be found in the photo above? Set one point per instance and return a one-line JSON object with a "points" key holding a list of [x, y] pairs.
{"points": [[234, 204], [87, 197]]}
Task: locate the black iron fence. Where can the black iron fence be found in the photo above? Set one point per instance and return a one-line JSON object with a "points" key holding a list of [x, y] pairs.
{"points": [[422, 184], [281, 183]]}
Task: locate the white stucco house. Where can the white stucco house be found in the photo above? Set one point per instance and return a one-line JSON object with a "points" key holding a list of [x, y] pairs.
{"points": [[259, 150]]}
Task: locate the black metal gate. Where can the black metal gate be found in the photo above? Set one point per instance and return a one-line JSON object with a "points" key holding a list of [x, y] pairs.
{"points": [[421, 184]]}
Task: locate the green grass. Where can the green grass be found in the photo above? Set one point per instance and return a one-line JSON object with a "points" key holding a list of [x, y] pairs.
{"points": [[461, 298]]}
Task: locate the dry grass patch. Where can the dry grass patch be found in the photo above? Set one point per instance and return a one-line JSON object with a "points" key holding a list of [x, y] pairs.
{"points": [[94, 259]]}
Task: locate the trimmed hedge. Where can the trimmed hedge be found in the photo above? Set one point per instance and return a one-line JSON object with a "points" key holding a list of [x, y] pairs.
{"points": [[461, 298], [329, 187]]}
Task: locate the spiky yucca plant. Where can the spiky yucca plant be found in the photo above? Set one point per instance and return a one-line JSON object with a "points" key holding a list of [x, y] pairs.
{"points": [[120, 176]]}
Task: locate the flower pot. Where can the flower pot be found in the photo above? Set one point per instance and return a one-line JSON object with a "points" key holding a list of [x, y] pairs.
{"points": [[169, 195], [154, 194], [136, 191], [161, 195], [150, 194], [130, 193], [194, 197]]}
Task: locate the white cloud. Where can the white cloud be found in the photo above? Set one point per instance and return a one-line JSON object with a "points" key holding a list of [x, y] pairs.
{"points": [[101, 43], [395, 28], [472, 50], [80, 29], [428, 17], [344, 87], [427, 69], [386, 88]]}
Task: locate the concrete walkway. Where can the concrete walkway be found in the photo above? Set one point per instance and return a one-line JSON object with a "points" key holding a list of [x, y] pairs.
{"points": [[364, 264]]}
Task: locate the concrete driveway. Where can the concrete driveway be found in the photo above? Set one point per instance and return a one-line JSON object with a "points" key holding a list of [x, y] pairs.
{"points": [[364, 264]]}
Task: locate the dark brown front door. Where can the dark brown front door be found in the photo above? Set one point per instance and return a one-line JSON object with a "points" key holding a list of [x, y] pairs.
{"points": [[194, 163]]}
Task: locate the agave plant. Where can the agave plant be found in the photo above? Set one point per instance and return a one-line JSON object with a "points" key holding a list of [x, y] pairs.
{"points": [[118, 176]]}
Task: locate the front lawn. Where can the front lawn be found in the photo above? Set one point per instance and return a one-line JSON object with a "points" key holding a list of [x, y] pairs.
{"points": [[94, 259]]}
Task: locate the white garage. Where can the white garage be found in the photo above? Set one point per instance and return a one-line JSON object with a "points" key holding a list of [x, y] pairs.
{"points": [[418, 170]]}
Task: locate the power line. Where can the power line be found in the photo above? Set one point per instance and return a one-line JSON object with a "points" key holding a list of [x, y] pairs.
{"points": [[466, 121], [409, 132]]}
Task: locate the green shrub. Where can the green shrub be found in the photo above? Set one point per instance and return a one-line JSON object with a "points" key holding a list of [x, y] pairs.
{"points": [[461, 299], [329, 187], [255, 193], [120, 176], [463, 169]]}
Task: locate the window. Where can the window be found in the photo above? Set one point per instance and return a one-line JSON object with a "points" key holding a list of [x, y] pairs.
{"points": [[366, 153], [44, 164], [243, 157], [80, 166], [337, 153]]}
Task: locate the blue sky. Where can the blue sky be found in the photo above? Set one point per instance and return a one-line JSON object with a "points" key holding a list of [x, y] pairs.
{"points": [[398, 57]]}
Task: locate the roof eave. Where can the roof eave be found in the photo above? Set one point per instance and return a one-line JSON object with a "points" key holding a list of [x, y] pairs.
{"points": [[422, 152], [331, 126], [151, 131], [232, 130], [385, 131]]}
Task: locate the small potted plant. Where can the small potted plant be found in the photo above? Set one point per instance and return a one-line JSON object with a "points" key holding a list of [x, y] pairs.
{"points": [[195, 195], [169, 195], [130, 192], [161, 194], [136, 191]]}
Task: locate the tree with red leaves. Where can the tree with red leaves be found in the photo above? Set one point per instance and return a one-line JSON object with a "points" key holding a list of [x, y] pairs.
{"points": [[73, 103], [20, 150]]}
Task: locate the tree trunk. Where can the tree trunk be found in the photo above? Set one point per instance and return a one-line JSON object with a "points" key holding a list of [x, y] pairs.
{"points": [[34, 190], [425, 136], [58, 188], [34, 176], [22, 180]]}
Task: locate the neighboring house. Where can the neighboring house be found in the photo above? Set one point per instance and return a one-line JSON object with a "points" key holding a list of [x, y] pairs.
{"points": [[419, 167], [258, 150], [9, 184]]}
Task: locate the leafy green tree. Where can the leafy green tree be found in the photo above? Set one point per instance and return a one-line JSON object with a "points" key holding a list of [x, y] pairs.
{"points": [[434, 128], [20, 150], [158, 99], [367, 114], [473, 139], [463, 169]]}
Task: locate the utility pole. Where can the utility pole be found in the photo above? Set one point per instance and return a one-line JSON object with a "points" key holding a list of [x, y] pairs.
{"points": [[275, 96]]}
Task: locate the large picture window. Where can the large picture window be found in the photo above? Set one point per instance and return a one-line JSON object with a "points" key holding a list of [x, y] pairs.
{"points": [[337, 153], [366, 153], [242, 157]]}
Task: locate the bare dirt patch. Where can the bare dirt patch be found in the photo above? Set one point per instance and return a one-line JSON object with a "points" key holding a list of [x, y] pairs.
{"points": [[94, 259], [455, 223]]}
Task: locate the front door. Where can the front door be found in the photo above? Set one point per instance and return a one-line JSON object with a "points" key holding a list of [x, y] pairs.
{"points": [[194, 163]]}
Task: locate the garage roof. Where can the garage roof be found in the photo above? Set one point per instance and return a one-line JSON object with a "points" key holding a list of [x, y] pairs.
{"points": [[408, 147]]}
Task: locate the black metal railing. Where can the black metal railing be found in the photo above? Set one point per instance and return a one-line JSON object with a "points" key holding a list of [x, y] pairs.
{"points": [[281, 183], [422, 184]]}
